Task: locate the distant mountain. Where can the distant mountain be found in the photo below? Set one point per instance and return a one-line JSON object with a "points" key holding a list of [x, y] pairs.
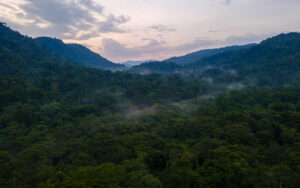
{"points": [[135, 63], [275, 61], [196, 56], [78, 54], [156, 68]]}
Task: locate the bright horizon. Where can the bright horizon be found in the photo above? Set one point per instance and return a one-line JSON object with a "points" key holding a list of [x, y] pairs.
{"points": [[152, 29]]}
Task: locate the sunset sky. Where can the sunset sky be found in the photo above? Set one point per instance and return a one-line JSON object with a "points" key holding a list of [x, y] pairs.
{"points": [[122, 30]]}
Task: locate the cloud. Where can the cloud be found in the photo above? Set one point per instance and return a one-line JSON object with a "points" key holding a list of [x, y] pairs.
{"points": [[117, 51], [228, 2], [154, 49], [58, 12], [111, 24], [162, 28], [7, 6], [68, 19]]}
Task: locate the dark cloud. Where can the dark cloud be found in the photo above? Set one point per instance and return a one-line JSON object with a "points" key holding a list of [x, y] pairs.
{"points": [[112, 24], [160, 49], [162, 28], [57, 12], [91, 5], [68, 19]]}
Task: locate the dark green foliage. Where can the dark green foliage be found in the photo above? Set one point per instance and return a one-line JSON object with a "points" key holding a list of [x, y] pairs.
{"points": [[156, 68], [196, 56], [242, 140], [273, 62], [78, 54]]}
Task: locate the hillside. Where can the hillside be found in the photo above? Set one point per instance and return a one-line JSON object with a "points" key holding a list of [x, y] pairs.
{"points": [[136, 63], [21, 56], [78, 54], [196, 56], [274, 61], [156, 68]]}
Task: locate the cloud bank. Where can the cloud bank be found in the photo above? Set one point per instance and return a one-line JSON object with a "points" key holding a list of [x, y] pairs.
{"points": [[67, 19]]}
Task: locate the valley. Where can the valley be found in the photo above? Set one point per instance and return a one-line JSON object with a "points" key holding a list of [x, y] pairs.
{"points": [[227, 117]]}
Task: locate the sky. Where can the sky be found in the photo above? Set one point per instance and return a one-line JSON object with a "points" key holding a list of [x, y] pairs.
{"points": [[123, 30]]}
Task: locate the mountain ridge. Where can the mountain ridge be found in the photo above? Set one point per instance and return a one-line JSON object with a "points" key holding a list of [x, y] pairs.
{"points": [[198, 55], [78, 54], [275, 61]]}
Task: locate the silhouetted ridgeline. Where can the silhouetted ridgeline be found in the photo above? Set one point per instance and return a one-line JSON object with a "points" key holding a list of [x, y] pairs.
{"points": [[78, 54], [273, 62], [196, 56]]}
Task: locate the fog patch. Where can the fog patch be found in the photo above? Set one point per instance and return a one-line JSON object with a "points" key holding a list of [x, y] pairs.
{"points": [[232, 71], [235, 86], [136, 112], [208, 80]]}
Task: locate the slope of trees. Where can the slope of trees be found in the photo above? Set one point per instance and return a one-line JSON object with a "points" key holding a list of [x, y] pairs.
{"points": [[196, 56], [273, 62], [78, 54], [156, 68]]}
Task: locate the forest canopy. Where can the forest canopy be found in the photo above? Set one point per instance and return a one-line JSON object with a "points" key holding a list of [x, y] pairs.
{"points": [[63, 125]]}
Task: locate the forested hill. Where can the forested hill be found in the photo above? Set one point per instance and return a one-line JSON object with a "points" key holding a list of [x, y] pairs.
{"points": [[78, 54], [275, 61], [22, 58], [156, 68], [196, 56]]}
